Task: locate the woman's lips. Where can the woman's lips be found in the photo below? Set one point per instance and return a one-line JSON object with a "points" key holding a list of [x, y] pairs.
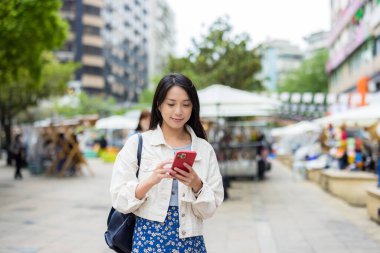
{"points": [[177, 120]]}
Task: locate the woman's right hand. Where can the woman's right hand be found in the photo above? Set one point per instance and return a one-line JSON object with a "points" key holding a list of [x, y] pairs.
{"points": [[161, 172], [157, 175]]}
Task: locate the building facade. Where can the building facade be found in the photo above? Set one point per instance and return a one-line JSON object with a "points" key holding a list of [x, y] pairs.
{"points": [[161, 36], [110, 41], [85, 43], [278, 58], [315, 42], [354, 46], [126, 50]]}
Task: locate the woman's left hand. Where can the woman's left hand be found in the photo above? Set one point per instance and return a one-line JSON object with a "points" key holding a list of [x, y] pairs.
{"points": [[189, 178]]}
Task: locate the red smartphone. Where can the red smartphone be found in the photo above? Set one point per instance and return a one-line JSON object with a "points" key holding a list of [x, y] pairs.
{"points": [[184, 156]]}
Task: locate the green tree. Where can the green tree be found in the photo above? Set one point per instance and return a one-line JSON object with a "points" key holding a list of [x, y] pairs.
{"points": [[29, 29], [220, 57], [309, 77], [82, 104]]}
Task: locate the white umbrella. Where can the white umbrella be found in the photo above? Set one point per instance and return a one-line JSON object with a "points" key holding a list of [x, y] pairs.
{"points": [[116, 122], [296, 129], [224, 101], [362, 116]]}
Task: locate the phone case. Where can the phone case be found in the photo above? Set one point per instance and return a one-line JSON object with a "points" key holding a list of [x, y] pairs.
{"points": [[184, 156]]}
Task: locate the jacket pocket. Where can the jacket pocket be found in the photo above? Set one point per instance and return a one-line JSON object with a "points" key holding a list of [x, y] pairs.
{"points": [[147, 164]]}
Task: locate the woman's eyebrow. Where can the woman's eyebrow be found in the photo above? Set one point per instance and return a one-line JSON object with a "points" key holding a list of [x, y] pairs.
{"points": [[174, 100]]}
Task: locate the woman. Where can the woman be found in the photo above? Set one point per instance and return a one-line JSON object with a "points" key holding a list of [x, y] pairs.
{"points": [[143, 124], [144, 121], [170, 205]]}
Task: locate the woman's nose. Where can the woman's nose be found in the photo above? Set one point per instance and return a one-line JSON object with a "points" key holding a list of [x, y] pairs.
{"points": [[178, 110]]}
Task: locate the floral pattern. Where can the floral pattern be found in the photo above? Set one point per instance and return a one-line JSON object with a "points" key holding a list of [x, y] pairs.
{"points": [[153, 236]]}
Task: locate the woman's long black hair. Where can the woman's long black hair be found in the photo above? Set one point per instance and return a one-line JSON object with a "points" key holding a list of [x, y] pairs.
{"points": [[163, 87]]}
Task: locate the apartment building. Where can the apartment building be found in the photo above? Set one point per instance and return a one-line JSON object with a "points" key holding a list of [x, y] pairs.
{"points": [[354, 46]]}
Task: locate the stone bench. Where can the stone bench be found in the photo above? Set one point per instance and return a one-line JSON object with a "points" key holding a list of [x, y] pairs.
{"points": [[373, 203], [350, 186]]}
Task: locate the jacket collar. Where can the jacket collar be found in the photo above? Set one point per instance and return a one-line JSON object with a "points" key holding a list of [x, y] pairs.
{"points": [[157, 138]]}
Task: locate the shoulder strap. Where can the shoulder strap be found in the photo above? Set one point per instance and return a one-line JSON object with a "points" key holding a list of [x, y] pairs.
{"points": [[139, 151]]}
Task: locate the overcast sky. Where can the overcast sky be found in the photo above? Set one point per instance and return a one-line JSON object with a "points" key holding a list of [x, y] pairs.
{"points": [[261, 19]]}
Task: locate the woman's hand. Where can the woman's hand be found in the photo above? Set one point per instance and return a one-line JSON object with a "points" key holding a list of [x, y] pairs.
{"points": [[157, 175], [189, 178], [160, 172]]}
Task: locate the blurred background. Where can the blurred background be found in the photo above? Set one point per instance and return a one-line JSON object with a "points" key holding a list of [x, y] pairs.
{"points": [[290, 100]]}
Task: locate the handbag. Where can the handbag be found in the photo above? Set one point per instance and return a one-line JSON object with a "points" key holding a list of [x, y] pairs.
{"points": [[120, 226]]}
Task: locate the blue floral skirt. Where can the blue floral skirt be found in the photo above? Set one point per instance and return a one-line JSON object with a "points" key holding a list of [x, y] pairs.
{"points": [[153, 236]]}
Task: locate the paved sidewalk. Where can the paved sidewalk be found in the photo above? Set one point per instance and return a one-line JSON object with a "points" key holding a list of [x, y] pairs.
{"points": [[40, 214]]}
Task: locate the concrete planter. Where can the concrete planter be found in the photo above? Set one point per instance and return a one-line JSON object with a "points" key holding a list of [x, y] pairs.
{"points": [[314, 175], [323, 181], [350, 186], [286, 160], [373, 203]]}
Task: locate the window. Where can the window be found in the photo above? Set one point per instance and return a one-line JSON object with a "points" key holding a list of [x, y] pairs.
{"points": [[68, 6], [92, 50], [68, 46], [92, 10], [377, 45], [92, 30], [93, 70]]}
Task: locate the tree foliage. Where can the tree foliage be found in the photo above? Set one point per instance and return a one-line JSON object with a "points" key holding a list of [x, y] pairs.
{"points": [[220, 57], [82, 104], [309, 77], [29, 30]]}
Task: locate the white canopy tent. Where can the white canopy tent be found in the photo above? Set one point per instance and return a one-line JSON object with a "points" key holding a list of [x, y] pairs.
{"points": [[359, 116], [296, 129], [223, 101], [116, 122]]}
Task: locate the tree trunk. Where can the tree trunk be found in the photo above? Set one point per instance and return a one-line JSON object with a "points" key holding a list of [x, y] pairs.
{"points": [[6, 126], [2, 146]]}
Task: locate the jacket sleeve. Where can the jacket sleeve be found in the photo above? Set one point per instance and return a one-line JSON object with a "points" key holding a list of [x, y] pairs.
{"points": [[209, 198], [124, 181]]}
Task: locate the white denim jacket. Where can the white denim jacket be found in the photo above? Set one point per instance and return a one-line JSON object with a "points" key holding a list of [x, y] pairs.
{"points": [[193, 208]]}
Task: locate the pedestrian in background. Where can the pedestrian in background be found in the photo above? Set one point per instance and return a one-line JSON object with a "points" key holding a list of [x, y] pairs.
{"points": [[143, 124], [102, 144], [170, 204], [18, 154]]}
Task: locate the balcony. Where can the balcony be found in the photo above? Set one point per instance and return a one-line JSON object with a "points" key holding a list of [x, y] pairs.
{"points": [[344, 20]]}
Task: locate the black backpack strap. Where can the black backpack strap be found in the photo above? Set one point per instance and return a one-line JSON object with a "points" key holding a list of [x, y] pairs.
{"points": [[139, 151]]}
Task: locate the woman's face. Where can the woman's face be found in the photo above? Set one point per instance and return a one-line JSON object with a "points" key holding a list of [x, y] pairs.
{"points": [[176, 108], [144, 123]]}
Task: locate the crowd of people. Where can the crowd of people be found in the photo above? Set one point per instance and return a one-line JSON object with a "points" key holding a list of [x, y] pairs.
{"points": [[48, 150]]}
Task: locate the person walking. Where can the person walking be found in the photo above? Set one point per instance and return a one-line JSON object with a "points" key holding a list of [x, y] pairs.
{"points": [[143, 124], [170, 204], [17, 150]]}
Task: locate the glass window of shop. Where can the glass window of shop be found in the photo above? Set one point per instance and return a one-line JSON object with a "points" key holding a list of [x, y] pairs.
{"points": [[336, 77], [377, 45], [361, 57]]}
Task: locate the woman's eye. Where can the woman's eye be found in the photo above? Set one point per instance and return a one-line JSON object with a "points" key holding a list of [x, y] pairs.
{"points": [[171, 105], [186, 105]]}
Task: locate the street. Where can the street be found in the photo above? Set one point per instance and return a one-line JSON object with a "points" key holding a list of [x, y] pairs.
{"points": [[279, 215]]}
